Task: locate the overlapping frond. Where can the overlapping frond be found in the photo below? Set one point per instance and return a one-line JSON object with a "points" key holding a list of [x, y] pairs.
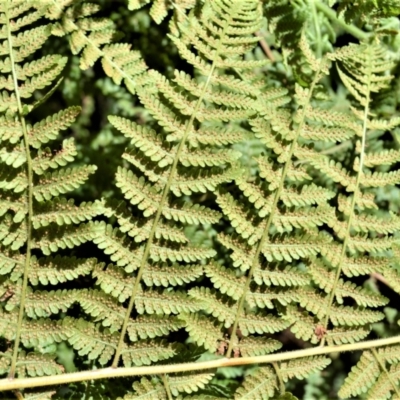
{"points": [[92, 38], [160, 8], [364, 238], [33, 216], [182, 157], [277, 220]]}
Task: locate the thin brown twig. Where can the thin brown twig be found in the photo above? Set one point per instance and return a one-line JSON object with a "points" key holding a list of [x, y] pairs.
{"points": [[264, 45], [379, 277]]}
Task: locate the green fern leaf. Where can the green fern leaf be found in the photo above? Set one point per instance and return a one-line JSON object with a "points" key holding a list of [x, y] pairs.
{"points": [[36, 364], [286, 276], [152, 326], [202, 331], [89, 341], [261, 385], [55, 270], [50, 240], [302, 325], [361, 377], [61, 181], [101, 307], [188, 383], [383, 387], [257, 346], [64, 212], [147, 390], [325, 280], [167, 302], [303, 367], [225, 281], [343, 335], [47, 129], [147, 352], [46, 160]]}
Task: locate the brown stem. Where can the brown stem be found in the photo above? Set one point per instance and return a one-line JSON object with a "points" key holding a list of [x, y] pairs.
{"points": [[264, 45]]}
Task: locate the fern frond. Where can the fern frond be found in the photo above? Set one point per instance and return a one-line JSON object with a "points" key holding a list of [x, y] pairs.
{"points": [[92, 38], [62, 211], [263, 298], [188, 383], [147, 390], [46, 160], [325, 280], [309, 195], [284, 247], [383, 387], [171, 275], [167, 302], [286, 276], [260, 384], [61, 182], [101, 307], [147, 352], [225, 281], [303, 367], [343, 335], [152, 326], [257, 346], [202, 331], [32, 364], [179, 159], [212, 303], [361, 377], [55, 270], [50, 240], [89, 341], [44, 131], [38, 220], [302, 325]]}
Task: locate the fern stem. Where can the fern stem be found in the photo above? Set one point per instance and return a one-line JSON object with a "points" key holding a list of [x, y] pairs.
{"points": [[282, 388], [29, 199], [106, 373], [164, 378], [163, 200], [385, 371], [331, 14], [265, 234], [316, 27], [352, 207]]}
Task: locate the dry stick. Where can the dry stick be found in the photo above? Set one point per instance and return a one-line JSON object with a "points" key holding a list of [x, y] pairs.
{"points": [[106, 373], [379, 277], [264, 45]]}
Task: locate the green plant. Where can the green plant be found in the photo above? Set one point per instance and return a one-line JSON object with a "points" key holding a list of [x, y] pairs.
{"points": [[211, 258]]}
